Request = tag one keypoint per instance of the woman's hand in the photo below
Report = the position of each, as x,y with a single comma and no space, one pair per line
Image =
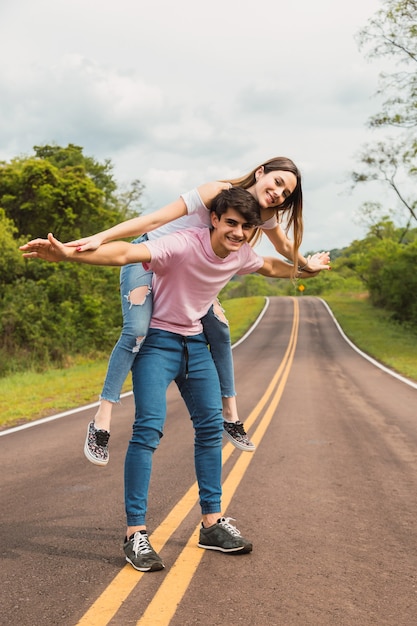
85,243
317,262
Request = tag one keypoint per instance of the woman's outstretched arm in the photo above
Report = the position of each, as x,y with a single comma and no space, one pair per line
114,253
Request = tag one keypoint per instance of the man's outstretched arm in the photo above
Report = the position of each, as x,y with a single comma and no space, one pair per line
114,253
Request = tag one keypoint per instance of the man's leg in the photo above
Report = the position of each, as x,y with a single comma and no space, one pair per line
200,388
156,365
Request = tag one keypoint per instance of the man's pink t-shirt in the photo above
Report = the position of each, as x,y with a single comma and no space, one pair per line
188,275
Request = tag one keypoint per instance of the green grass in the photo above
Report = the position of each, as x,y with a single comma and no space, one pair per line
32,395
242,313
373,331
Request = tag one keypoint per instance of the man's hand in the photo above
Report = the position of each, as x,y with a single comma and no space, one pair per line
48,249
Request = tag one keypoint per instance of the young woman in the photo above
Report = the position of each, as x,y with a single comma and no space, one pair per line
276,185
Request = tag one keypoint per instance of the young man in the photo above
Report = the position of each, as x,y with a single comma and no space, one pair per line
190,268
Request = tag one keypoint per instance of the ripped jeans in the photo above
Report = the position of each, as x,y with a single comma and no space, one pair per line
136,318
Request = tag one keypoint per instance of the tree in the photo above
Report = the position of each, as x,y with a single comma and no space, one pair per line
127,203
12,264
60,190
391,284
389,162
72,157
48,312
383,262
392,34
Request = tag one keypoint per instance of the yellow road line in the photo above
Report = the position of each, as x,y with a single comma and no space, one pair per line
108,603
164,604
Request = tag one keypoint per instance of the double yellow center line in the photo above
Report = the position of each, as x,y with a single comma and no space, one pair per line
164,603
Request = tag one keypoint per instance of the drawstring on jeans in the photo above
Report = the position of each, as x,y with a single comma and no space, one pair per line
185,346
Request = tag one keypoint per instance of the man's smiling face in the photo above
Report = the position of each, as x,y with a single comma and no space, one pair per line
229,232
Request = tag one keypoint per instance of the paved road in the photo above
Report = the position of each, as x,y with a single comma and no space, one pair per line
329,499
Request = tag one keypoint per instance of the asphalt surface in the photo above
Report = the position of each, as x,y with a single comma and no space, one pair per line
329,499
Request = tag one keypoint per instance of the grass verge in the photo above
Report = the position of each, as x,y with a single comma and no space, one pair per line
373,331
29,396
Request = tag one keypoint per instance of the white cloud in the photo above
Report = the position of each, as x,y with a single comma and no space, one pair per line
179,93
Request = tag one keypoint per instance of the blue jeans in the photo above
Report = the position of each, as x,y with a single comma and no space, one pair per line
136,318
217,334
165,357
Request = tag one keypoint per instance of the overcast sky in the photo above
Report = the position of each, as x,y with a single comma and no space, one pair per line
176,93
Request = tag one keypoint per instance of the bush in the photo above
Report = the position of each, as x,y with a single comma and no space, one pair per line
392,283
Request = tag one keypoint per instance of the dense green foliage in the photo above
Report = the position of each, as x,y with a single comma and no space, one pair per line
49,312
384,266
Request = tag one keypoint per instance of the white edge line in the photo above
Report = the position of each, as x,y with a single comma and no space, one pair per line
254,325
407,381
51,418
79,409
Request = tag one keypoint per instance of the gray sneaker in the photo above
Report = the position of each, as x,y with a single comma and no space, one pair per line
224,536
96,447
235,432
140,553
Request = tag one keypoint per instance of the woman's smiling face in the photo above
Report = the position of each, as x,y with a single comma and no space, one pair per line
272,188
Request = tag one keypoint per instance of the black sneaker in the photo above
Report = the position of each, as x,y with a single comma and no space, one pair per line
224,536
235,432
140,553
96,447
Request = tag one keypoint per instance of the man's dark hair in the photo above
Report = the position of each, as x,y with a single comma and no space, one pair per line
240,200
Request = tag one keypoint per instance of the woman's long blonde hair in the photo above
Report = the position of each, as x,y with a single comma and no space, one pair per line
292,206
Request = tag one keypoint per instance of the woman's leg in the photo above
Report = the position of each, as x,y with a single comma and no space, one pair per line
217,332
136,299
